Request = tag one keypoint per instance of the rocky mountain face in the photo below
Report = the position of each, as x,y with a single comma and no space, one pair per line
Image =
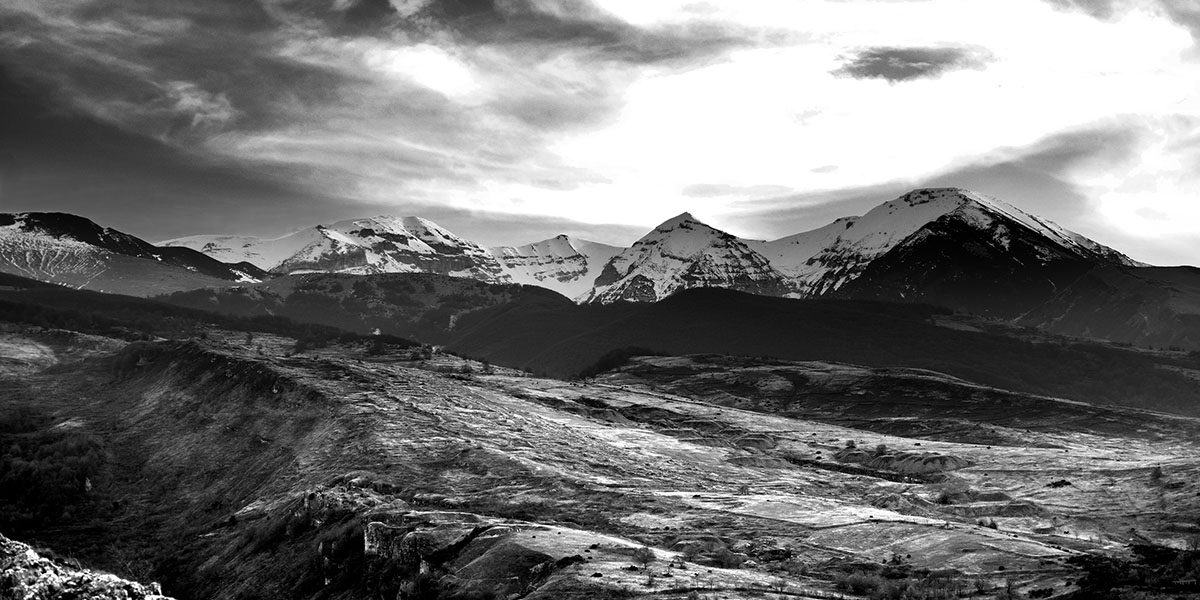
684,253
75,251
564,264
360,246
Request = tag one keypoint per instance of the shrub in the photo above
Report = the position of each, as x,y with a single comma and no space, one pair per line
858,582
644,556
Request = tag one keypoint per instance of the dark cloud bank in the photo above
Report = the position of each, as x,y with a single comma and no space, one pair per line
905,64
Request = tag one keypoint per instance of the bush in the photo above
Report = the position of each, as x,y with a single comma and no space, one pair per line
858,582
644,556
46,475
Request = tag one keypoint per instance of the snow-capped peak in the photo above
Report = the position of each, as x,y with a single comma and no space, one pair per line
562,263
381,244
824,259
679,253
678,220
684,253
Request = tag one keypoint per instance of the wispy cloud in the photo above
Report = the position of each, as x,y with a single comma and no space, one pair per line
1183,12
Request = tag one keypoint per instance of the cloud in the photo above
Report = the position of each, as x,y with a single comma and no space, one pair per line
1101,9
54,160
904,64
1185,13
418,97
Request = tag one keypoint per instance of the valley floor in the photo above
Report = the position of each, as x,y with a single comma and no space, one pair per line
233,468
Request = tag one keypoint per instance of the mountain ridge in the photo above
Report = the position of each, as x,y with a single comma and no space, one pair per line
75,251
944,246
680,253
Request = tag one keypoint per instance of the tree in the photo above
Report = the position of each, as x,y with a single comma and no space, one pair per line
779,584
644,556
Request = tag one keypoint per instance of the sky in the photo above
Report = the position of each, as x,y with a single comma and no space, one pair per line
510,121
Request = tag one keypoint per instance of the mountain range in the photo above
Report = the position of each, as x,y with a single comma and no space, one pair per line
377,408
682,252
942,246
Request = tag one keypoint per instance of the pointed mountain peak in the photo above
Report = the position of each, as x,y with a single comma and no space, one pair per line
384,222
678,220
927,195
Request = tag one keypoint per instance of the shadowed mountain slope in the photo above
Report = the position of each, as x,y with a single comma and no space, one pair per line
563,340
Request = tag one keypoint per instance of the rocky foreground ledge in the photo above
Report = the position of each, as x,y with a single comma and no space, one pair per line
25,575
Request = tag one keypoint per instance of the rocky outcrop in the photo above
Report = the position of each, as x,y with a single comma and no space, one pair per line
26,575
911,463
458,552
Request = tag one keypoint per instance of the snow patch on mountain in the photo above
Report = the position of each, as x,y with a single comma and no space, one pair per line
791,255
564,264
31,251
383,244
683,253
262,253
74,251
